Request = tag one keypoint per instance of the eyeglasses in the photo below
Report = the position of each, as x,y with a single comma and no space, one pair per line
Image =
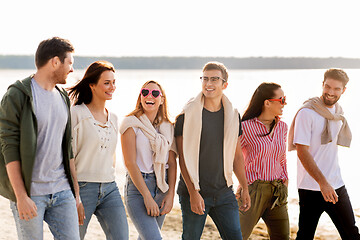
282,100
155,92
212,79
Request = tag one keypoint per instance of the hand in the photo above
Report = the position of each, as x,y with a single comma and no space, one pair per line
81,213
328,193
244,199
238,192
197,203
151,206
167,204
27,208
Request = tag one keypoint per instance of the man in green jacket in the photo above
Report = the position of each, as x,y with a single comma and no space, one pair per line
35,136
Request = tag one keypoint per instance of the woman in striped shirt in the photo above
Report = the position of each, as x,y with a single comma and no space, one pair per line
263,144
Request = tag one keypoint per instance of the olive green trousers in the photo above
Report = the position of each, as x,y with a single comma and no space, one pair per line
269,202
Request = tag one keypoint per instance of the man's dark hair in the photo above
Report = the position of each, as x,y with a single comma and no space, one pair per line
50,48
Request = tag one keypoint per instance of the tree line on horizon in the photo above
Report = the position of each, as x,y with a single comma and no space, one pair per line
81,62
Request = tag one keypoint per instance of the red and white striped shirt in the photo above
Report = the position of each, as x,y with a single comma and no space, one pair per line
265,156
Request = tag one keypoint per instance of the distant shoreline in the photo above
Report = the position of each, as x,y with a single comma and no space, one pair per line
81,62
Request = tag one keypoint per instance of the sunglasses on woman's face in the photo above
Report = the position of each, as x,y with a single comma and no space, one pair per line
282,100
155,92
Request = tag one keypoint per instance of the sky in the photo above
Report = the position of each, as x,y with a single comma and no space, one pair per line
236,28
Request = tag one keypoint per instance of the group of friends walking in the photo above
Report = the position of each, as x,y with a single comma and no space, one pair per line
57,159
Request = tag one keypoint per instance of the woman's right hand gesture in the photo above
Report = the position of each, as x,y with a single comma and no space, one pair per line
151,206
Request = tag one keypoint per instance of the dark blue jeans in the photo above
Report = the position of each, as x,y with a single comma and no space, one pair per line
312,205
224,211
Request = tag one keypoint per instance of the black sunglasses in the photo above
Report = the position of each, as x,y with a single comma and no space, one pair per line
155,92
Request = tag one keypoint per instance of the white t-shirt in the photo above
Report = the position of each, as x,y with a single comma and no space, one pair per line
144,152
308,128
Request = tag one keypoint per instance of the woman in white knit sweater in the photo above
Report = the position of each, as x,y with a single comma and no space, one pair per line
146,139
95,133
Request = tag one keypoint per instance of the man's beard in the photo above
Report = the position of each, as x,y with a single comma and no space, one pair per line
329,102
59,77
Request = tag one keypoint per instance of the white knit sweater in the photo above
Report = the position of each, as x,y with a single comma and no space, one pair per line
94,145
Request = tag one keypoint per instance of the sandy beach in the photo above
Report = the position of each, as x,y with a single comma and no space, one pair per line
173,225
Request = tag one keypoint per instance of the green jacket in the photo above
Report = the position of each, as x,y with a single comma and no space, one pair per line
18,135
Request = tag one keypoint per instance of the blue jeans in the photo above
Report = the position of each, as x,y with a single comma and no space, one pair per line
222,208
104,200
312,205
58,210
147,226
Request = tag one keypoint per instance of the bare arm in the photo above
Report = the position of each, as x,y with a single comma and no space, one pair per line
168,201
239,170
196,201
310,166
74,176
172,171
128,145
25,205
79,205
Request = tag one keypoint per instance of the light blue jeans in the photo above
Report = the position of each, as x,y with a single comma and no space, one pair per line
147,226
104,200
58,210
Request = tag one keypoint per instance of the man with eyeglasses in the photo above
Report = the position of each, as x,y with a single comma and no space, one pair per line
207,134
317,129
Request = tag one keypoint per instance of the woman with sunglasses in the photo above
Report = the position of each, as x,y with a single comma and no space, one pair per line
95,133
146,139
263,144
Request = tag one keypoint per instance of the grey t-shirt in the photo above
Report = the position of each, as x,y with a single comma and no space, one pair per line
48,175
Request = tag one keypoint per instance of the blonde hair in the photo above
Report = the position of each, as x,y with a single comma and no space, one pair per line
162,114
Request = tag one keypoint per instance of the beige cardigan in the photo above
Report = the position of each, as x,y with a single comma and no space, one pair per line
316,104
192,133
161,143
93,146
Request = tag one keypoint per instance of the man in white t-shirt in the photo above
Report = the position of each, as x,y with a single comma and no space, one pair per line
318,128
